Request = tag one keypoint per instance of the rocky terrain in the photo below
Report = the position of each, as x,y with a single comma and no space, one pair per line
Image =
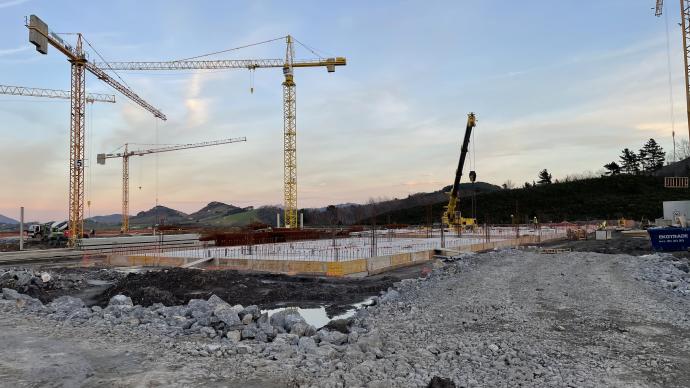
507,318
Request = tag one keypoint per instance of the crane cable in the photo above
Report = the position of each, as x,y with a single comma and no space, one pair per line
472,167
157,218
106,62
89,148
230,49
670,86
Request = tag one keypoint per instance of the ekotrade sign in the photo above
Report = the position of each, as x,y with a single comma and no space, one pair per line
670,239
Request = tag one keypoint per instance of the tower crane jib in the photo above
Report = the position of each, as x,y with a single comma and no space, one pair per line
289,102
126,154
42,38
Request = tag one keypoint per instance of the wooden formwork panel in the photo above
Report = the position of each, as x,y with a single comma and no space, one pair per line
378,263
147,261
400,259
354,266
422,256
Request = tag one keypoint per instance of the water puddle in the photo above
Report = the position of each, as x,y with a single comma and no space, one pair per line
97,282
317,316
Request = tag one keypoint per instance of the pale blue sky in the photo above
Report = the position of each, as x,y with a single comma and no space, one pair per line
562,85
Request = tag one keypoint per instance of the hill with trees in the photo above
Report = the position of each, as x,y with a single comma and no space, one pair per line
607,197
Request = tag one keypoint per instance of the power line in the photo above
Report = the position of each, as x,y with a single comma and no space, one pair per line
104,61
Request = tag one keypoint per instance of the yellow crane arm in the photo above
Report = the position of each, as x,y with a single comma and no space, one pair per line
289,102
250,64
41,37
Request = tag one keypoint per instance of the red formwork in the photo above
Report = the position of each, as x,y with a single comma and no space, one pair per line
277,235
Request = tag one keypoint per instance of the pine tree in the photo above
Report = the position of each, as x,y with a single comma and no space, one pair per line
652,156
544,177
630,162
613,168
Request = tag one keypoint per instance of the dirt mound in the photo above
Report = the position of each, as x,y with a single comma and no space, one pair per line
177,286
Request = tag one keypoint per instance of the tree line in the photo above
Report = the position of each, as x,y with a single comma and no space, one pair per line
648,159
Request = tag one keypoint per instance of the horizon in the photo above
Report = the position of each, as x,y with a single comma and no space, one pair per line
389,124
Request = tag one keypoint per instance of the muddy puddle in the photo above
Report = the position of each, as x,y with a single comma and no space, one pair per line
319,317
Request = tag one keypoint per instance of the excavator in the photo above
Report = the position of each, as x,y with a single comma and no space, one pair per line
452,218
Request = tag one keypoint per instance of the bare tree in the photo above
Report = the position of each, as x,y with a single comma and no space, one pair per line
682,149
508,185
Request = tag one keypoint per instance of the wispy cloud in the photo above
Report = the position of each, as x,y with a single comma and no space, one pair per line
7,52
11,3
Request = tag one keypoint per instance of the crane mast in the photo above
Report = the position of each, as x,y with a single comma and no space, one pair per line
40,36
685,25
289,140
126,154
685,31
289,103
451,216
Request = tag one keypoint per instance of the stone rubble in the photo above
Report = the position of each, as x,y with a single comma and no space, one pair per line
456,327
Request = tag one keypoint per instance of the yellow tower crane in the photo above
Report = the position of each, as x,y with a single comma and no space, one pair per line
289,102
126,153
41,37
685,31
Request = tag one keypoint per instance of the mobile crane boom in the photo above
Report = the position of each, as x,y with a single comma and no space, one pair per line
452,217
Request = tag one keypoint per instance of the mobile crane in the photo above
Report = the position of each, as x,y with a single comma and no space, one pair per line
452,217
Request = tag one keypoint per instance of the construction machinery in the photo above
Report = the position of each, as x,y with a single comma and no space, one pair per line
53,93
685,31
54,233
289,102
452,217
127,153
41,37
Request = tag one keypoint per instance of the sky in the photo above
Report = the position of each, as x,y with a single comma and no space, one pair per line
563,85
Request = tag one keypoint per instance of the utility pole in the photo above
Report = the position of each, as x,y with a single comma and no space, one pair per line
21,228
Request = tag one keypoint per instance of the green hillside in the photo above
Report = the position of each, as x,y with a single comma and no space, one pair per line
613,197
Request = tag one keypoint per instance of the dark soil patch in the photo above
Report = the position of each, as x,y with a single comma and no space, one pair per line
619,244
177,286
77,282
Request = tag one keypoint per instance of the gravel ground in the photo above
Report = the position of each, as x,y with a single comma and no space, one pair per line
506,318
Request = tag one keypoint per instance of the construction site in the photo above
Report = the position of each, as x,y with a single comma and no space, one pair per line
132,272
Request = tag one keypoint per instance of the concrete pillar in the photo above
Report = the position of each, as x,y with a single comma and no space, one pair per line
278,220
21,228
301,220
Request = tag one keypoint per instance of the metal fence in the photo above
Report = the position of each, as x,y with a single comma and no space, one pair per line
363,245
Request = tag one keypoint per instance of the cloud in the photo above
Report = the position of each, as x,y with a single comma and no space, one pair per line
197,107
8,52
11,3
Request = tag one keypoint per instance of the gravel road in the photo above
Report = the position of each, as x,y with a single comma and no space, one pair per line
508,318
